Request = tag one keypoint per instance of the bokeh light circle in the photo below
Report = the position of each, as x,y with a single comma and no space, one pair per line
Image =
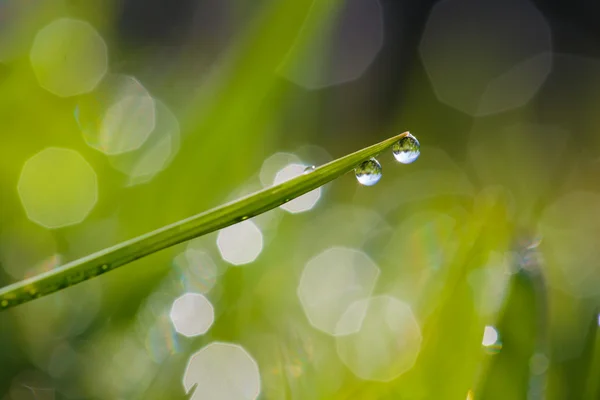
26,248
192,314
222,371
485,57
241,243
68,57
387,343
336,45
118,116
570,227
331,282
196,269
302,203
273,164
157,151
57,187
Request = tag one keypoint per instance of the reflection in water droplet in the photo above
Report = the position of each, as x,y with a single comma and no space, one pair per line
407,149
368,172
310,168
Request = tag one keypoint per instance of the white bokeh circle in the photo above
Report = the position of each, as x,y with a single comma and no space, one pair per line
222,371
192,314
302,203
241,243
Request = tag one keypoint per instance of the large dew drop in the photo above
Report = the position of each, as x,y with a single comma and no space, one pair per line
368,172
407,149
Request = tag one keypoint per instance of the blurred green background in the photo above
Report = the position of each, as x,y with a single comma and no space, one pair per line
470,273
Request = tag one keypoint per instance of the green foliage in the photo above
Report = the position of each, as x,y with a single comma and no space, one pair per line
441,231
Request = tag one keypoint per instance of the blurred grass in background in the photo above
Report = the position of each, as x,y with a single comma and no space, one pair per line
468,274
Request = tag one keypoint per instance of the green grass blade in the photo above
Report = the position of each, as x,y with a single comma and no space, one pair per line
228,214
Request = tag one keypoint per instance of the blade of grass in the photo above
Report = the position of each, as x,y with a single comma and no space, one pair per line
220,217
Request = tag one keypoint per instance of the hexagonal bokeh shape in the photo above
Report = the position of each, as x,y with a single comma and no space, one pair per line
26,247
485,57
118,116
197,271
157,152
241,243
192,314
331,282
388,340
570,227
222,371
57,187
538,363
273,164
302,203
338,43
68,57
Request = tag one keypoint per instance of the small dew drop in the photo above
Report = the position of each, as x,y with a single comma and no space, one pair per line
491,340
407,149
368,172
490,336
310,168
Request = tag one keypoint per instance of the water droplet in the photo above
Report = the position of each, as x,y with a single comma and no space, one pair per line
310,168
407,149
491,340
368,172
